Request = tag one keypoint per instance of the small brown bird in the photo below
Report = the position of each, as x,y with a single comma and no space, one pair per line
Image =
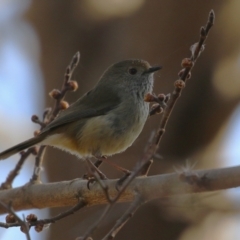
104,121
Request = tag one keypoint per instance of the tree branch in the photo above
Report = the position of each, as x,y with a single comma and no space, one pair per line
69,193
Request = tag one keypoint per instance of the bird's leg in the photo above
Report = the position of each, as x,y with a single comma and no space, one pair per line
90,176
97,164
91,179
143,173
124,170
91,169
121,169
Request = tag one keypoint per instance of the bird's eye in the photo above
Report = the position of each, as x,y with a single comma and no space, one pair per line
132,71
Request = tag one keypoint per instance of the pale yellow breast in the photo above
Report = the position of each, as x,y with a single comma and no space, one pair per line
63,142
99,137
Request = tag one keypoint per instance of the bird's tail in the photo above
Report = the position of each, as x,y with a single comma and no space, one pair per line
21,146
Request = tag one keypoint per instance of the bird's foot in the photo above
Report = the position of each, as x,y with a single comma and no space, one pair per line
94,174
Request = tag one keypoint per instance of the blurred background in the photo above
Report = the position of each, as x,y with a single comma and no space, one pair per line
38,40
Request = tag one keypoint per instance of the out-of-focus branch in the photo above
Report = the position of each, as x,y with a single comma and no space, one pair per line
14,217
124,219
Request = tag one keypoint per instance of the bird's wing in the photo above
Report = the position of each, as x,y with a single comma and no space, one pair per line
94,103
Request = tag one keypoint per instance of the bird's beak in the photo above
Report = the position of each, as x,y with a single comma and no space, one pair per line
153,69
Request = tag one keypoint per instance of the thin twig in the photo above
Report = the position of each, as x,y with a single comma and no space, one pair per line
37,167
66,86
13,174
124,219
22,223
146,168
42,222
25,226
56,218
184,75
58,95
96,224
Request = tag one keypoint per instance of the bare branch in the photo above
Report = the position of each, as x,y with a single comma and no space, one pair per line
96,224
33,221
185,75
67,193
13,174
48,115
68,85
37,167
124,219
22,223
